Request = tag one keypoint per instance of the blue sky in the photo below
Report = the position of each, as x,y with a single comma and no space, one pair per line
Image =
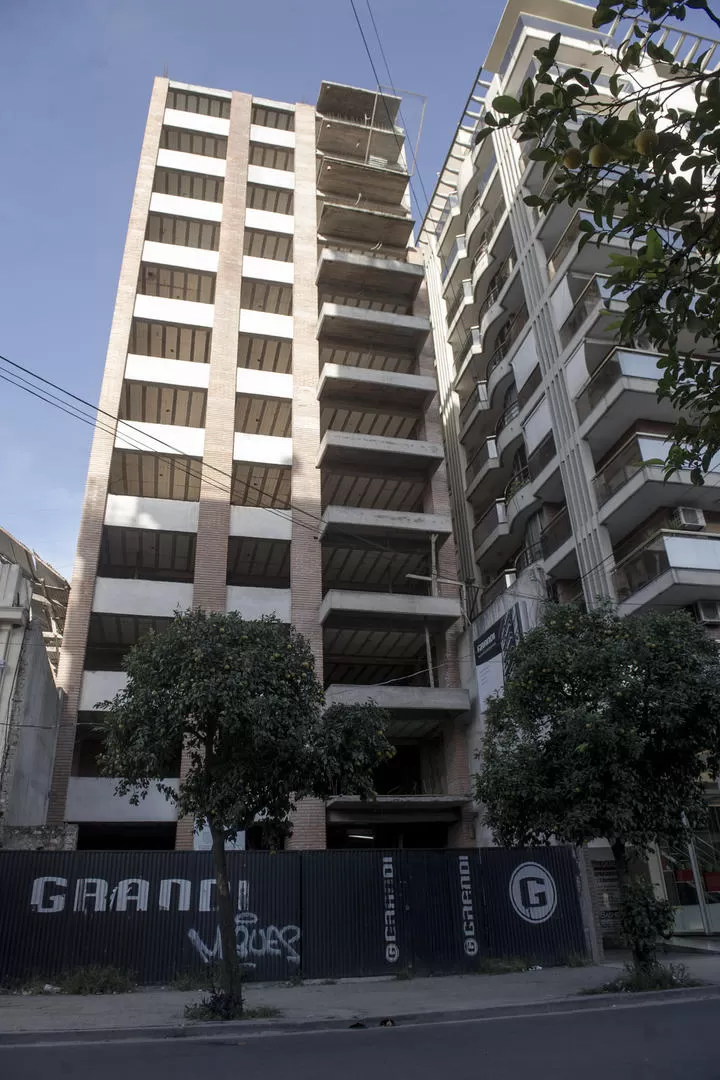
75,78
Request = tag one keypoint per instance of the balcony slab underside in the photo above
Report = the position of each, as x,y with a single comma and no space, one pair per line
367,226
648,491
675,588
379,611
342,322
359,271
415,711
411,529
627,400
356,387
352,138
349,178
388,809
347,451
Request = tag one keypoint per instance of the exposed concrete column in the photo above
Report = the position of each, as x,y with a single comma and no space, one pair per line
305,551
210,584
72,654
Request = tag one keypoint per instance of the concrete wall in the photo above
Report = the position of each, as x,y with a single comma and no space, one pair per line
33,727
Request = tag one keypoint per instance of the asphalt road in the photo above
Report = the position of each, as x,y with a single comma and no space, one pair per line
662,1042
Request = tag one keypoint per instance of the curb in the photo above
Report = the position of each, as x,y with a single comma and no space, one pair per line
200,1031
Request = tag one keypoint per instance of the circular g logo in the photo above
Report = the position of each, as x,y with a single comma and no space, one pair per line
532,892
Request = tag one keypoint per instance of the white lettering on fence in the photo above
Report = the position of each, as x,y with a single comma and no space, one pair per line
252,941
468,914
392,952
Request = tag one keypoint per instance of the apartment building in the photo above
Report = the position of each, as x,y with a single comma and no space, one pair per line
550,426
276,449
33,601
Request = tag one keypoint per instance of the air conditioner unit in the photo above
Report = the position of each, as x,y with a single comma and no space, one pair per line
708,612
690,518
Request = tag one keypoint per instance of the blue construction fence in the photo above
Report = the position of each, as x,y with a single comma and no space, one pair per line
325,914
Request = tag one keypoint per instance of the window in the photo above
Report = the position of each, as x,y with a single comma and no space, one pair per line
193,142
170,342
177,284
188,101
268,245
273,118
189,185
270,157
275,200
166,229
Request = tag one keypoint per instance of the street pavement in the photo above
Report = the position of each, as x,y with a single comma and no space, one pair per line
318,1002
663,1041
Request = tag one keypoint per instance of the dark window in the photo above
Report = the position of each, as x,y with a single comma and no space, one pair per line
170,342
273,118
270,157
276,200
189,185
193,142
166,229
145,836
189,101
177,284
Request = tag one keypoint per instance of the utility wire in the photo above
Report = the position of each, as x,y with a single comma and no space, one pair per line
392,87
387,107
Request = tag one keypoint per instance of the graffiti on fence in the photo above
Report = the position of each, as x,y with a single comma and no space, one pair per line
254,942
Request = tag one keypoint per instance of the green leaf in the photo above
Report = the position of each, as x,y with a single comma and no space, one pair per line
506,104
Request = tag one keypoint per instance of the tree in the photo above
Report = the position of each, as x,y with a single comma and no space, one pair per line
644,157
604,729
242,700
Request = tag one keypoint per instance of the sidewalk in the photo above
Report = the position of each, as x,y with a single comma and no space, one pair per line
317,1002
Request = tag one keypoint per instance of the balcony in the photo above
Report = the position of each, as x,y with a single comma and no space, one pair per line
384,182
672,569
476,403
483,461
554,547
342,322
457,301
487,312
465,356
591,259
492,524
623,388
370,388
385,611
357,271
350,221
412,529
415,711
629,489
594,300
455,256
341,450
508,429
504,345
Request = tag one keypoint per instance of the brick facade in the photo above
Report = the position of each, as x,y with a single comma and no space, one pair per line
72,655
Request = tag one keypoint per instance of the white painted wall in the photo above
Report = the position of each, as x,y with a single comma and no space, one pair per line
269,221
180,118
525,359
128,596
199,163
576,372
157,369
268,449
187,312
93,798
264,383
537,425
267,269
252,603
160,438
561,301
180,206
260,521
693,552
271,136
178,255
263,323
134,512
99,686
277,178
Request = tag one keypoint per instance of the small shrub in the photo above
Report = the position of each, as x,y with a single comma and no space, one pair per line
499,965
641,980
96,980
576,959
218,1006
194,980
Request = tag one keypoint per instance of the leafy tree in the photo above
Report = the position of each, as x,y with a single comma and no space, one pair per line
604,729
242,699
644,158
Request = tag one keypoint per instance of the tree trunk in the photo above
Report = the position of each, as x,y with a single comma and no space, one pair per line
641,961
230,971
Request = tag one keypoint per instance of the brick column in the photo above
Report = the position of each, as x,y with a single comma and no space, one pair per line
210,584
437,501
305,552
72,655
